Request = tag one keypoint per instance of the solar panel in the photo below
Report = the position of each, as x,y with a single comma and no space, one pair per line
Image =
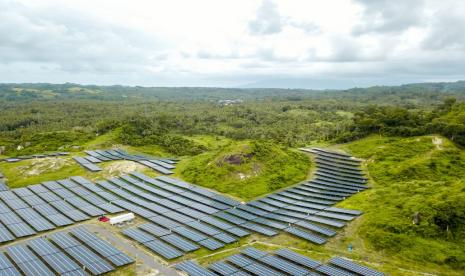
43,247
241,214
49,196
252,210
316,228
154,229
190,234
16,204
64,241
38,188
120,259
356,268
301,209
239,260
288,213
166,251
163,164
204,228
89,259
261,270
225,238
179,217
335,216
59,220
254,253
230,218
193,269
180,243
138,235
262,205
284,265
216,222
20,229
155,167
20,253
329,222
223,268
282,218
35,267
271,223
6,267
297,258
10,218
33,200
164,222
5,235
84,234
211,244
63,264
332,271
259,229
238,231
102,247
305,235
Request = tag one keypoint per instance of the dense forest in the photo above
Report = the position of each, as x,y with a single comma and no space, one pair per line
45,117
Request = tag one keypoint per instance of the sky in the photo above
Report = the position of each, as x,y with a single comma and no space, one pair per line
318,44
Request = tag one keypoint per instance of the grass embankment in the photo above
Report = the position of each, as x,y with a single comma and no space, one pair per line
246,169
415,214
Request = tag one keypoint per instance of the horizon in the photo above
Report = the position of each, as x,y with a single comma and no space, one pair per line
240,44
240,88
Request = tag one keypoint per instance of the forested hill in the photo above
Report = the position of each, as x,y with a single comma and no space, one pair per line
430,92
45,117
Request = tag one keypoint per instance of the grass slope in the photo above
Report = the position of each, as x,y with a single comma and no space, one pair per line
420,177
246,169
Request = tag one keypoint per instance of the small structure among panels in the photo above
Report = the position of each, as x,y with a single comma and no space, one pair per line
252,261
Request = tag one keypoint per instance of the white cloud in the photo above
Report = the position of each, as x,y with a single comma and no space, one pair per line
231,43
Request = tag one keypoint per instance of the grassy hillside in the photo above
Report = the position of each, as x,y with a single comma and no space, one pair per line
416,211
246,169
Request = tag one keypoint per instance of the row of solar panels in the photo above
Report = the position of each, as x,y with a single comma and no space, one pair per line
229,218
42,207
304,210
89,162
80,253
252,261
25,157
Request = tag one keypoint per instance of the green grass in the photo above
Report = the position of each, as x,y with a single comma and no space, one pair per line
263,168
411,176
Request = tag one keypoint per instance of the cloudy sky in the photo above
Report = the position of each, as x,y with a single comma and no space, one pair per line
237,43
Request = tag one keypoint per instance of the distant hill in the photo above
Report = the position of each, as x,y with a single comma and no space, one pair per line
69,91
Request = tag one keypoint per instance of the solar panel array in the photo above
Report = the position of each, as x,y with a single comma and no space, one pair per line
35,156
42,207
63,254
302,211
94,157
305,210
252,261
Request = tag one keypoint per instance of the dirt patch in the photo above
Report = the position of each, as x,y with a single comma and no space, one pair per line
438,142
122,167
235,159
43,165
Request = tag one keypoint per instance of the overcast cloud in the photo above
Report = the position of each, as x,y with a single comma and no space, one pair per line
241,43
